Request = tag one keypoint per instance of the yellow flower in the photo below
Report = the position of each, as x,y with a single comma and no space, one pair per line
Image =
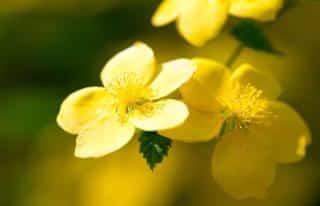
257,131
105,117
200,20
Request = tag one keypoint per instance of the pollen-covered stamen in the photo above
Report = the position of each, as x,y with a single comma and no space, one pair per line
129,93
244,106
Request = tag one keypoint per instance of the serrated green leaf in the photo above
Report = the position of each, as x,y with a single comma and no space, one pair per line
251,35
154,148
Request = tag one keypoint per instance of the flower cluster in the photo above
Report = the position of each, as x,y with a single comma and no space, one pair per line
254,131
200,20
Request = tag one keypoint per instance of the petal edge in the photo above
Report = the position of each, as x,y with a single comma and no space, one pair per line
103,137
80,107
166,114
171,77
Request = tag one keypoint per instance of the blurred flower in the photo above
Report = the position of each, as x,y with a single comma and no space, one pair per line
124,180
256,130
200,20
105,117
120,179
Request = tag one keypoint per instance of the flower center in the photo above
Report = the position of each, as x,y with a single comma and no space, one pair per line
129,93
244,106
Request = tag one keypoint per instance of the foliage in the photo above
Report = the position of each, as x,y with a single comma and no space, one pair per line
251,35
154,148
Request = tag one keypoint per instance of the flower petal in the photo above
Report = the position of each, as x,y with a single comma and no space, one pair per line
199,127
287,132
167,12
81,107
165,114
202,20
172,76
136,61
242,166
206,84
102,137
247,74
261,10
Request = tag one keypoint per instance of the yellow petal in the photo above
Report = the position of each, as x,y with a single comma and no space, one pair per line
261,10
202,20
242,166
102,137
287,132
247,74
206,84
172,76
136,62
81,107
199,127
165,114
167,11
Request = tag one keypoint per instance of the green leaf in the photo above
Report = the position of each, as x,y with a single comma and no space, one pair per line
154,148
288,4
227,127
251,35
223,129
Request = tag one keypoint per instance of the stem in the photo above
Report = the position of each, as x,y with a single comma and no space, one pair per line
231,60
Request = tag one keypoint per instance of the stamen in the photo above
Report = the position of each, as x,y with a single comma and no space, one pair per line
129,94
245,106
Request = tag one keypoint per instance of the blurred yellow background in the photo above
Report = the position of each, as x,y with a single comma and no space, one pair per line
51,48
